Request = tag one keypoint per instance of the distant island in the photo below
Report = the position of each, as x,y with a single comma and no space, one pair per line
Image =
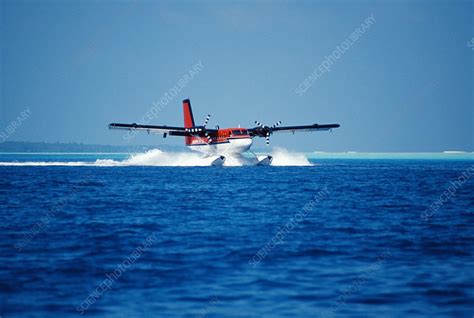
23,146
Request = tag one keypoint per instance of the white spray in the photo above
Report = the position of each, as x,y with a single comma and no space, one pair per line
159,158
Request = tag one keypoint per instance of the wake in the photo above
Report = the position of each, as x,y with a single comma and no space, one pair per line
159,158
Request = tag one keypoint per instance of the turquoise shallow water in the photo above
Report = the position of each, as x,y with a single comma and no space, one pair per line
339,238
394,155
314,156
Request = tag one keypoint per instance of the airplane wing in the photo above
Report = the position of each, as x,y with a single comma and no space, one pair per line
264,131
169,130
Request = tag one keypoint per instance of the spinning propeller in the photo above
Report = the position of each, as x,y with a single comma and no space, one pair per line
209,139
206,121
266,131
199,130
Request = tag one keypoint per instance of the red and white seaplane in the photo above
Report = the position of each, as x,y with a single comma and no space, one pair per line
221,142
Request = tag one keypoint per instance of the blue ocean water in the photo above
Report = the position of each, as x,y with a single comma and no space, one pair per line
340,238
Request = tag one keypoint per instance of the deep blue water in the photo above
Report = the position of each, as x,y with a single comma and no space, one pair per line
362,249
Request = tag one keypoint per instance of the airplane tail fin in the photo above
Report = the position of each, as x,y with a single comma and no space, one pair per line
188,119
188,114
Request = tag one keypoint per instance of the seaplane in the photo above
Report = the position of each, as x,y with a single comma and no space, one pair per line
221,143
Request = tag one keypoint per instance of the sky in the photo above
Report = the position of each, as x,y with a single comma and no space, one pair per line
404,85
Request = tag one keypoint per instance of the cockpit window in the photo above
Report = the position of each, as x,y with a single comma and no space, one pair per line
239,132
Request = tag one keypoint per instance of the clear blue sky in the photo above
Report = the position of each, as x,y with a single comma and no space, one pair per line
405,85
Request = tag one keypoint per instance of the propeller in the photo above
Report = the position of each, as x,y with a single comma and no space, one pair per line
209,139
266,131
206,121
199,130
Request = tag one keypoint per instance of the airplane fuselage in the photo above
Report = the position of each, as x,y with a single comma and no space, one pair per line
229,140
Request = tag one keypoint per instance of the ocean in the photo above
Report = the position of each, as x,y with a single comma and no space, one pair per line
166,235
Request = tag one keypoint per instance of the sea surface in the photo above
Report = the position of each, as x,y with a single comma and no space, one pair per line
161,235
